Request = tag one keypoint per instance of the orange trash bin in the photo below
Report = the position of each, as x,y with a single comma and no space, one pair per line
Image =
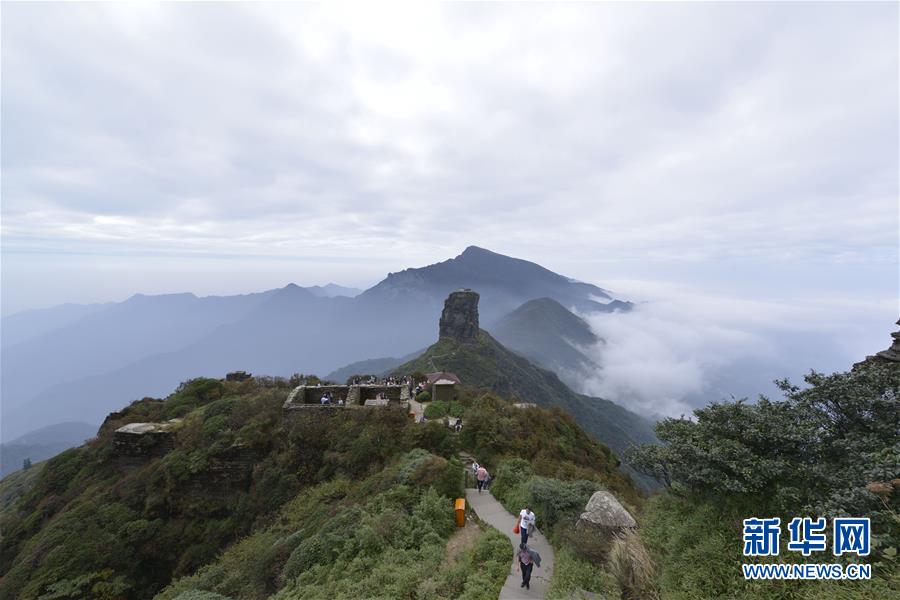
460,512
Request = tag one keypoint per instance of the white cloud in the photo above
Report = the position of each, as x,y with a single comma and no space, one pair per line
561,133
682,349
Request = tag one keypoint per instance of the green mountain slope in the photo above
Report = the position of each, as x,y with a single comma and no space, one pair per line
549,335
489,365
242,502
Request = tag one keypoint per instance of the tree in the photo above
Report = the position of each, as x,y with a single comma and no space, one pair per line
815,451
26,464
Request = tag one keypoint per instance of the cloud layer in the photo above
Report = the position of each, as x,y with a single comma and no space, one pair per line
656,134
683,349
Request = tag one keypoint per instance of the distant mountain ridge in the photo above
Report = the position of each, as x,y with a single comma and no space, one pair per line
503,282
551,336
42,444
146,345
333,290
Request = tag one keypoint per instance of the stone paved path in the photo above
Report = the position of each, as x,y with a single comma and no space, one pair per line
492,512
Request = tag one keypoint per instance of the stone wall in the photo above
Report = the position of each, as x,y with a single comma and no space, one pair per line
445,392
311,394
226,473
310,397
393,393
139,442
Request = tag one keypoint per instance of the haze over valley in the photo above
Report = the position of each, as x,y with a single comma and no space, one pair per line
660,357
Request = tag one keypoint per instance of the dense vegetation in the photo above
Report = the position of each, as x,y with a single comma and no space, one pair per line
830,449
327,505
382,538
486,364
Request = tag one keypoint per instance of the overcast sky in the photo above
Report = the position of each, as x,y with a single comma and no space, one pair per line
747,149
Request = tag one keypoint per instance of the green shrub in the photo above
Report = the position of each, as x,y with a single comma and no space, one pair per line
424,396
697,550
510,484
554,500
436,410
434,437
572,573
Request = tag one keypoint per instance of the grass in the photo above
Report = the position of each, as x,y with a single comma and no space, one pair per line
697,550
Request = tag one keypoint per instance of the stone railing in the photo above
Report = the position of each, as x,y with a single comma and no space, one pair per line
354,396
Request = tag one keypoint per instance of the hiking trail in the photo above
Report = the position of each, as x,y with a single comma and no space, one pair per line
492,512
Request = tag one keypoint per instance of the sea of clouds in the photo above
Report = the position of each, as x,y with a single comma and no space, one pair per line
679,350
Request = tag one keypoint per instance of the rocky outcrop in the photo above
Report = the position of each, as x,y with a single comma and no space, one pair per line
459,320
892,354
225,473
604,512
889,356
142,441
238,376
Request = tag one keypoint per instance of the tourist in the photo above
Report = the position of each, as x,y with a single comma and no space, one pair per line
481,476
526,523
524,565
458,425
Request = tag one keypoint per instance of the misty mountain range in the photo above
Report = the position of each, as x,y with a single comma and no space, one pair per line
78,363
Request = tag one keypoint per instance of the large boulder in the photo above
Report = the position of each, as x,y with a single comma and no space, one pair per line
603,511
459,320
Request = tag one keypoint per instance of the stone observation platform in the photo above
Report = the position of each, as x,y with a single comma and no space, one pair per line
345,396
144,440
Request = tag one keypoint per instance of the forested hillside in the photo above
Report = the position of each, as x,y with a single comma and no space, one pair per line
321,506
485,363
828,449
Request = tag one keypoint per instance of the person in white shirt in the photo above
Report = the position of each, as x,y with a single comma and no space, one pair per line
526,523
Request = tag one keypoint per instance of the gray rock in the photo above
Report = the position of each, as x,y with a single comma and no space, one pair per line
889,356
892,354
604,511
459,319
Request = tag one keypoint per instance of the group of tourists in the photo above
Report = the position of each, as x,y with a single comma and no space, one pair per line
372,380
328,398
526,557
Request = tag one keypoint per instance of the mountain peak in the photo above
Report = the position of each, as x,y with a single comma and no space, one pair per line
477,251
